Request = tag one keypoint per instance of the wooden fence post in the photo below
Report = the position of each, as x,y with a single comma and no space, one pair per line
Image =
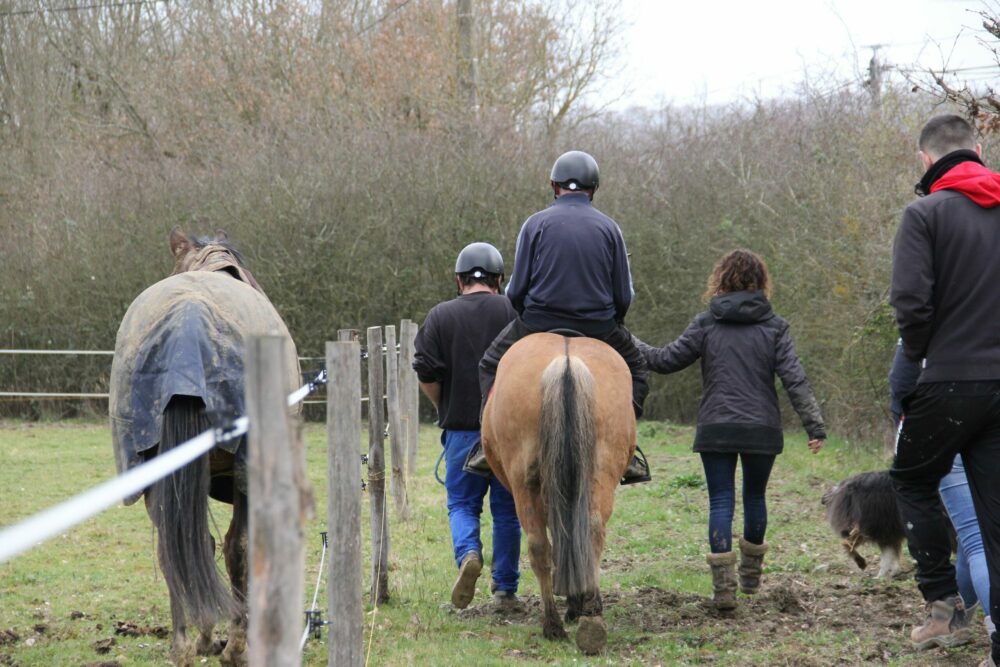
276,467
397,438
410,391
343,446
376,469
347,335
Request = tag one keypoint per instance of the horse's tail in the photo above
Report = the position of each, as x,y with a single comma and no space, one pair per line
567,442
179,509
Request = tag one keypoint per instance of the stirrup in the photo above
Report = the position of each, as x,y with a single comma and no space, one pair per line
476,463
637,470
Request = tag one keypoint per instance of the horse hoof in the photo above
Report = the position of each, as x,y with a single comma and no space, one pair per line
554,632
592,635
233,657
571,616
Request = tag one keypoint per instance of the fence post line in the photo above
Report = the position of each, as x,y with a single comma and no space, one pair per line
347,335
343,446
276,467
376,469
410,391
397,437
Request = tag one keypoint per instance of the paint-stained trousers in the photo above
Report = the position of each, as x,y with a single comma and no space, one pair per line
943,419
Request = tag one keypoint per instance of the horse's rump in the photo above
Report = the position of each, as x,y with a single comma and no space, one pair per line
511,418
185,336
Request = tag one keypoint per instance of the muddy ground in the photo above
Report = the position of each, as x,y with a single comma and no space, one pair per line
873,617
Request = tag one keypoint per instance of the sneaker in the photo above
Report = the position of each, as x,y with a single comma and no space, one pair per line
465,586
637,470
946,625
506,602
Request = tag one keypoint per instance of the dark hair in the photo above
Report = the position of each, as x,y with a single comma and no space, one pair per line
739,271
491,280
946,133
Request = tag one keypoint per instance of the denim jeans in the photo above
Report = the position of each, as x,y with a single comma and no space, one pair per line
465,505
720,473
970,563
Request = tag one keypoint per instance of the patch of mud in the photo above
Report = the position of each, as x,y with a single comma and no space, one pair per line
103,646
784,600
526,613
877,615
130,629
8,637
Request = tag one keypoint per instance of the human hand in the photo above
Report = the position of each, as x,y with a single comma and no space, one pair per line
816,445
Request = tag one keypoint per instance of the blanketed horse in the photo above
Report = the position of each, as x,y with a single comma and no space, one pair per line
558,430
177,371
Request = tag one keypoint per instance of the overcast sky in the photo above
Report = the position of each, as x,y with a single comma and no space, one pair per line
723,50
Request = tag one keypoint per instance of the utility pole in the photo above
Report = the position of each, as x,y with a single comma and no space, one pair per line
876,71
466,54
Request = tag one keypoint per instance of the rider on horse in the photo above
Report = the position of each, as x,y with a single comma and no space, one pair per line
571,271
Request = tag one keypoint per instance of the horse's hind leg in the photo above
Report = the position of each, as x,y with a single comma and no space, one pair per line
540,555
235,549
182,651
592,634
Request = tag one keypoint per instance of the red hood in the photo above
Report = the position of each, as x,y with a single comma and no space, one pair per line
974,181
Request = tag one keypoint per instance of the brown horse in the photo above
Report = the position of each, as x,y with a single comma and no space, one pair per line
177,371
558,430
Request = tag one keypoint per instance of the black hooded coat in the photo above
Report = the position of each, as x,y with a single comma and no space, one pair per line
742,344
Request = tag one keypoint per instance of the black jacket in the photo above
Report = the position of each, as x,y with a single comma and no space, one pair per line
448,348
946,277
742,344
571,269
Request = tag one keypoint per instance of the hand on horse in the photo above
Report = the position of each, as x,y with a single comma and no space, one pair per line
815,445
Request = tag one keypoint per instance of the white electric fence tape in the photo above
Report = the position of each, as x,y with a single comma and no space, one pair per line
48,523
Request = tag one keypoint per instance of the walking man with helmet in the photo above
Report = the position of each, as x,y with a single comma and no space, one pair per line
448,348
571,271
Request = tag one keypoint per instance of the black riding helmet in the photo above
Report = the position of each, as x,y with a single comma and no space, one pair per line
576,170
482,256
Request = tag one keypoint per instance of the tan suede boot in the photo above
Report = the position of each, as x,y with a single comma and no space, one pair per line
723,580
945,626
751,565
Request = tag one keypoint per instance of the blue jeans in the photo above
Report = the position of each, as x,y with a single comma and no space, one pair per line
970,562
465,505
720,473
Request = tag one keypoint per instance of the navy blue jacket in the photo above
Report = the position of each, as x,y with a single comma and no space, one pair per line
571,269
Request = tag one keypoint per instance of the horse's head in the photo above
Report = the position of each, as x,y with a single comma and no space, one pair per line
192,253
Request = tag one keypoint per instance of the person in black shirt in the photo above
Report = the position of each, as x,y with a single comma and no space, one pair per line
571,271
448,348
944,291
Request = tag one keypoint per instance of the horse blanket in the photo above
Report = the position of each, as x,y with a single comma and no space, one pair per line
186,335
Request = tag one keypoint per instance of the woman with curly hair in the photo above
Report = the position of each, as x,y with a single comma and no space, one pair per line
742,344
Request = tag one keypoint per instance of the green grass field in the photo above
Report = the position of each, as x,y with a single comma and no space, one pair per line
97,587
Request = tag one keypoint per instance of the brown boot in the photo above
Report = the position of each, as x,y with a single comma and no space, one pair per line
945,625
465,586
723,580
751,565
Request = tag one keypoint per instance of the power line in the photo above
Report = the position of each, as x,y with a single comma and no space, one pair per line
78,8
